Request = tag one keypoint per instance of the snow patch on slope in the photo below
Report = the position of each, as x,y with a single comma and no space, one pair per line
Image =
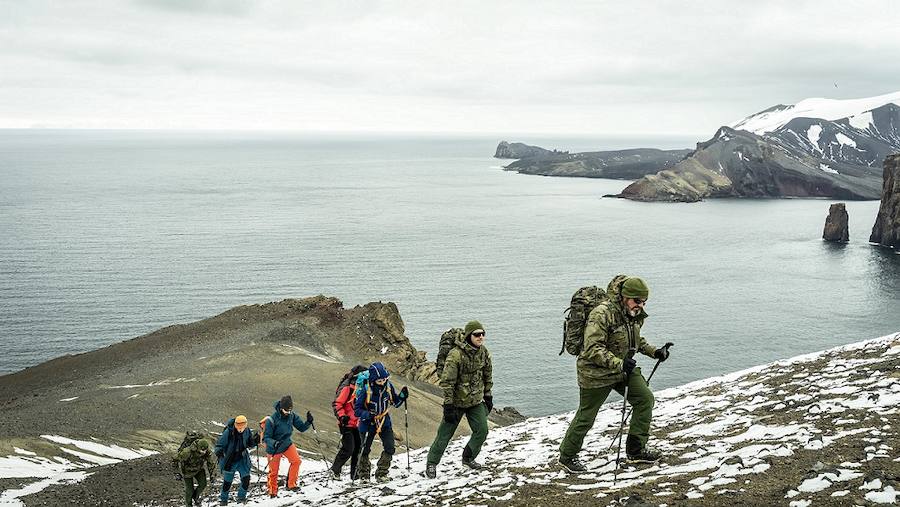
826,109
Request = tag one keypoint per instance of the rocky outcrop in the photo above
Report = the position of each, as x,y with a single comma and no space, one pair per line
519,150
836,224
887,224
616,164
737,163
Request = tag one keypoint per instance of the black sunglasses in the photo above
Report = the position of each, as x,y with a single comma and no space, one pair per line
478,334
639,301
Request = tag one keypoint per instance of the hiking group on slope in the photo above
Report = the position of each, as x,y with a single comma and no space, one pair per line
602,329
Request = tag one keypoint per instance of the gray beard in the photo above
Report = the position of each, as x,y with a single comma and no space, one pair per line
634,313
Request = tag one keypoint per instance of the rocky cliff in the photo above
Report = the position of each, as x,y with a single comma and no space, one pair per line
519,150
837,227
817,148
737,163
887,224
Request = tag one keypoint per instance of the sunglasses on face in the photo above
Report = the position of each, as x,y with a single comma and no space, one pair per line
639,301
478,334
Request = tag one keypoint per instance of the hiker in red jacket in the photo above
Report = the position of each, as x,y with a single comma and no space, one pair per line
347,423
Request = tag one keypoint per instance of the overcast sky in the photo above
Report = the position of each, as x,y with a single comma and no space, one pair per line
455,66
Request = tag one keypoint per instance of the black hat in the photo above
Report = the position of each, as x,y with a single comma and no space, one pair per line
287,403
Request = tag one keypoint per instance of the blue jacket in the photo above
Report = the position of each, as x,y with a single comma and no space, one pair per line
232,446
279,428
373,403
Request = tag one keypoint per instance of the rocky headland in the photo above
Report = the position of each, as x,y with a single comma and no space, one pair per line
887,224
817,148
614,164
106,419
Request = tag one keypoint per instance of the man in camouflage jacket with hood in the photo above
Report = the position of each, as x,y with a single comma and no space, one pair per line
611,337
467,380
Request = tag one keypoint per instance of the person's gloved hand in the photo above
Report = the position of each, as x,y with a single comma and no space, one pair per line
254,437
309,417
344,420
404,393
220,453
661,353
179,477
628,365
372,408
451,414
489,402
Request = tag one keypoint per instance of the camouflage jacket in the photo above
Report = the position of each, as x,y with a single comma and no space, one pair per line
191,459
468,375
608,335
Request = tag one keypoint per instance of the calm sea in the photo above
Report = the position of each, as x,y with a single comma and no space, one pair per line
109,235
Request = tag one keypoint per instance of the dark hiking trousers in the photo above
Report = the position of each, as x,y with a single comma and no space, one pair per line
384,461
477,418
190,491
350,447
639,397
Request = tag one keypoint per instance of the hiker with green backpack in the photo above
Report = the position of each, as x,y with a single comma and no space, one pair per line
604,331
466,373
194,453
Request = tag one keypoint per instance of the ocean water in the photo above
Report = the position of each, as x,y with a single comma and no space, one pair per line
109,235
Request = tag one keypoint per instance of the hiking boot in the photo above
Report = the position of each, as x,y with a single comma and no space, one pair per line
572,464
223,502
295,489
431,470
335,474
474,465
382,477
645,455
364,469
639,453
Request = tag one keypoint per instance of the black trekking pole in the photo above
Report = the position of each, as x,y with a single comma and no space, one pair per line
622,424
328,473
406,424
666,346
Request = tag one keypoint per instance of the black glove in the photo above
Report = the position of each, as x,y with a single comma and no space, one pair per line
254,437
309,417
628,365
344,420
179,477
489,402
451,415
404,393
220,453
372,408
661,353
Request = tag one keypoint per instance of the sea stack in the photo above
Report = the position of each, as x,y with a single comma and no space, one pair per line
886,231
836,228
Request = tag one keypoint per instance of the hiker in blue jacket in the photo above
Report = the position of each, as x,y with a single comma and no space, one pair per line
277,436
372,404
231,449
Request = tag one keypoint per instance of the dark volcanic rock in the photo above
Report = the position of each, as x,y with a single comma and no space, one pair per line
737,163
519,150
887,225
836,225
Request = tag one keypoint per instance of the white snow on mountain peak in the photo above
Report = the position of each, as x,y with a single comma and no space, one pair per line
826,109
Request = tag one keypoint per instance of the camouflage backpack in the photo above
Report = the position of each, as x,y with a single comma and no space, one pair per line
189,438
583,302
448,340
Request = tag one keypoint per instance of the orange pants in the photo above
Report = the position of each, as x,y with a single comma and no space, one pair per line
293,472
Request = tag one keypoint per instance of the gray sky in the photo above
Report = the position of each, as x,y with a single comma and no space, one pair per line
500,67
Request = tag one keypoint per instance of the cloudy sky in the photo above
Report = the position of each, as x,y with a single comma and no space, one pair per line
598,67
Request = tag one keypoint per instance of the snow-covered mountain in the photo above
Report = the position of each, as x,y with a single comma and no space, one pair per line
816,148
817,429
775,117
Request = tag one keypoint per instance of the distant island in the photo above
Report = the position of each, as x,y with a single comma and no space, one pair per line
617,164
815,148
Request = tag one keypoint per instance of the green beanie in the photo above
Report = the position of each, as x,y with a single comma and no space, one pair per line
635,288
472,326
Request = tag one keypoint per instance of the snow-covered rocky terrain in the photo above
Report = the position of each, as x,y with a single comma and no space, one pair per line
818,429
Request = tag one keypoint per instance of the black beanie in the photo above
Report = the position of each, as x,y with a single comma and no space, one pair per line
287,403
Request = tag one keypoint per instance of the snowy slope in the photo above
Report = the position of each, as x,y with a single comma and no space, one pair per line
827,109
818,429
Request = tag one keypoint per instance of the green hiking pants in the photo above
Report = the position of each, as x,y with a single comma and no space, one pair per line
639,397
190,491
477,417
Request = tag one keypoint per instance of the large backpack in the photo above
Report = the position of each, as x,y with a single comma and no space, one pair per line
345,381
448,340
189,438
583,302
